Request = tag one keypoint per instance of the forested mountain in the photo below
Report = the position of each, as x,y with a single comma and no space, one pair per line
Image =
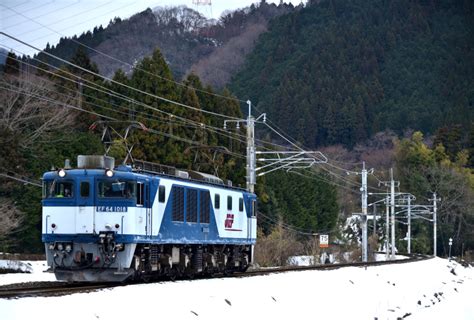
338,71
49,115
183,35
237,34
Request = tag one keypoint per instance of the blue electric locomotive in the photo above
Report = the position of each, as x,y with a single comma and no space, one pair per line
102,223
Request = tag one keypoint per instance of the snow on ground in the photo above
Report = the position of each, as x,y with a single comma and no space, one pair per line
431,289
35,271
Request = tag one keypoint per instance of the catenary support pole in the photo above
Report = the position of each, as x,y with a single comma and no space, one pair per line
435,209
392,211
409,225
387,227
374,232
364,213
251,157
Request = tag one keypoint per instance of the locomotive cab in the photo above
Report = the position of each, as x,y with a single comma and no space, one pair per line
102,223
84,212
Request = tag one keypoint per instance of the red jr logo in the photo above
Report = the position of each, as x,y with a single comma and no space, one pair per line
229,221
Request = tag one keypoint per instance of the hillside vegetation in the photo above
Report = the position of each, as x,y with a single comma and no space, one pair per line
41,126
339,71
187,40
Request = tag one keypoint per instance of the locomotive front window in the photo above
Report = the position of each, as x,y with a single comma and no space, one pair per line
58,189
117,189
84,189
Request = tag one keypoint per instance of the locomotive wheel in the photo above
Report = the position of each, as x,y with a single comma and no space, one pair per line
172,274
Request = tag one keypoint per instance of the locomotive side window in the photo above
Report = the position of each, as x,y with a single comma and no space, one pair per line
178,203
204,197
161,194
56,189
191,206
140,194
229,202
241,204
217,201
117,189
85,189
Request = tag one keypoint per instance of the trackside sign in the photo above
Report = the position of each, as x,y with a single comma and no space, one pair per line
323,241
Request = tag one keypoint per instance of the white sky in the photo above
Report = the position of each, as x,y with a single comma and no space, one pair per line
38,22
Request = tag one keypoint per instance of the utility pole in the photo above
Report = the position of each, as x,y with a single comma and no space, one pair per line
392,206
450,245
387,227
363,189
251,158
435,209
374,232
409,225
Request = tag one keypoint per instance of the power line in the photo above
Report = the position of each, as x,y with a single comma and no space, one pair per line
60,20
58,103
111,118
158,97
31,9
24,180
316,177
119,83
121,61
110,92
119,96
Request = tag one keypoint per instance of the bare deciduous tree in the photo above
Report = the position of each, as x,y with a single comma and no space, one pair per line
218,67
31,109
10,217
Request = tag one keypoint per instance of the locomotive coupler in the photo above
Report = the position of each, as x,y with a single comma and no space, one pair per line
108,247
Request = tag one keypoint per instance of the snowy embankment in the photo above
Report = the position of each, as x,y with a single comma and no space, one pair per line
432,289
25,271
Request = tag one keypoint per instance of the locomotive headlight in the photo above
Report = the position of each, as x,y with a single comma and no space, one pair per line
62,173
109,173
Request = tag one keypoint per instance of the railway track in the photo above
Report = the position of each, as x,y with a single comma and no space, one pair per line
410,258
45,289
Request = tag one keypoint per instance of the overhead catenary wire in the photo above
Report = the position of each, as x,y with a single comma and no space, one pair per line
192,123
124,62
155,118
141,91
108,91
32,9
148,129
119,83
313,176
24,180
56,102
114,119
67,18
295,229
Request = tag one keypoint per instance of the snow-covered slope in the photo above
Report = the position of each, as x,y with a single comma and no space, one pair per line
432,289
27,271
